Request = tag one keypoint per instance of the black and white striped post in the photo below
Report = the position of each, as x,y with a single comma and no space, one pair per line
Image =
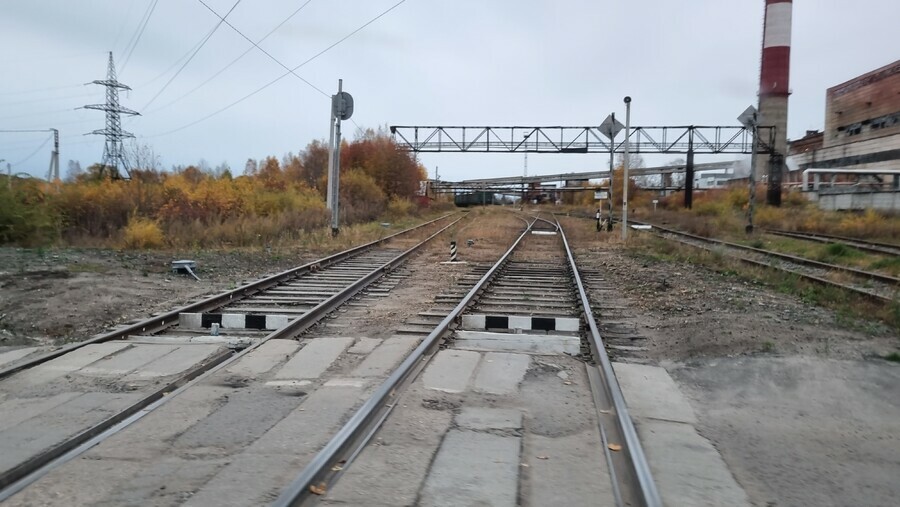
453,251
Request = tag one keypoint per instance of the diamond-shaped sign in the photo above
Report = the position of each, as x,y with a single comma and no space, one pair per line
748,117
610,127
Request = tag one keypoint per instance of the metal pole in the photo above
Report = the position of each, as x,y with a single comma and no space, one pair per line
625,170
612,170
749,227
336,167
689,172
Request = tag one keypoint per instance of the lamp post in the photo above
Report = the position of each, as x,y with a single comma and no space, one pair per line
625,170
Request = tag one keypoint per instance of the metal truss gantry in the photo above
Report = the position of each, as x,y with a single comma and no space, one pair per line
684,139
113,150
689,140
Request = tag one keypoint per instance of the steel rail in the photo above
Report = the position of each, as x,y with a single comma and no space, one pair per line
369,416
861,244
649,496
20,476
793,258
812,278
159,322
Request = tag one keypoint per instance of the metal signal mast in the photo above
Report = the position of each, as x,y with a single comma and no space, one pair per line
113,150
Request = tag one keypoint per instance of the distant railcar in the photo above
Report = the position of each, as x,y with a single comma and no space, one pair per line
474,199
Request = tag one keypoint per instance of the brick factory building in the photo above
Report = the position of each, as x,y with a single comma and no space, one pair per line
862,126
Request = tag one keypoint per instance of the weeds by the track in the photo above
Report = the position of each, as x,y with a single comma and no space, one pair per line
853,310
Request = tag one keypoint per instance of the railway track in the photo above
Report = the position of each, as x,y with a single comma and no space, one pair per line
526,320
874,286
311,400
59,404
859,244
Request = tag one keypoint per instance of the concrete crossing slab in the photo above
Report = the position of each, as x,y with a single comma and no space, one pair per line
567,470
651,392
450,370
501,373
272,461
314,358
12,356
688,470
386,356
473,468
484,418
179,360
14,411
68,363
364,345
127,360
56,424
264,358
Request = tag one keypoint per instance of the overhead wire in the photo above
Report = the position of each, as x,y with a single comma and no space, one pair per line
203,43
270,83
257,46
140,33
35,152
226,67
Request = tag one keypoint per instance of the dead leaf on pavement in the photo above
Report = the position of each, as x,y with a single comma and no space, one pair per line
318,489
614,447
543,457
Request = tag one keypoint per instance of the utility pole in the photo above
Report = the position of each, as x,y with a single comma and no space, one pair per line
113,150
8,174
53,172
625,170
341,109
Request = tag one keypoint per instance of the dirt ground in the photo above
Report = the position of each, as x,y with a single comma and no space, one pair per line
50,296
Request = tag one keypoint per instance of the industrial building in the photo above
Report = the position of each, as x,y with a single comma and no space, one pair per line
858,151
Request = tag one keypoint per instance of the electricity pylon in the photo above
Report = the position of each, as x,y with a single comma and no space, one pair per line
113,150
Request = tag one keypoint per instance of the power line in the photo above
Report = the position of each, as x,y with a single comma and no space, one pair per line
35,152
223,69
263,50
140,33
203,43
270,83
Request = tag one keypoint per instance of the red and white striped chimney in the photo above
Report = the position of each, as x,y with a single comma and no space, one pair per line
776,52
774,79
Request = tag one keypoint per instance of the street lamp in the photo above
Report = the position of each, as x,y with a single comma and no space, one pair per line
625,170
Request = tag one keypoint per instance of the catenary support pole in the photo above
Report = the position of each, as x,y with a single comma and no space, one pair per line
689,174
612,170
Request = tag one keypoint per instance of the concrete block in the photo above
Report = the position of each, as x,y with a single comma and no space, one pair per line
651,393
276,321
190,320
127,360
177,361
505,342
687,468
473,469
568,324
314,358
386,356
364,345
14,355
557,480
346,382
480,418
501,373
519,322
264,358
450,370
234,321
473,322
68,363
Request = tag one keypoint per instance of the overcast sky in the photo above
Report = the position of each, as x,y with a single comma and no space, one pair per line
426,62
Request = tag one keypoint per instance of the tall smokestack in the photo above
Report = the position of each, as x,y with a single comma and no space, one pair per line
774,80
